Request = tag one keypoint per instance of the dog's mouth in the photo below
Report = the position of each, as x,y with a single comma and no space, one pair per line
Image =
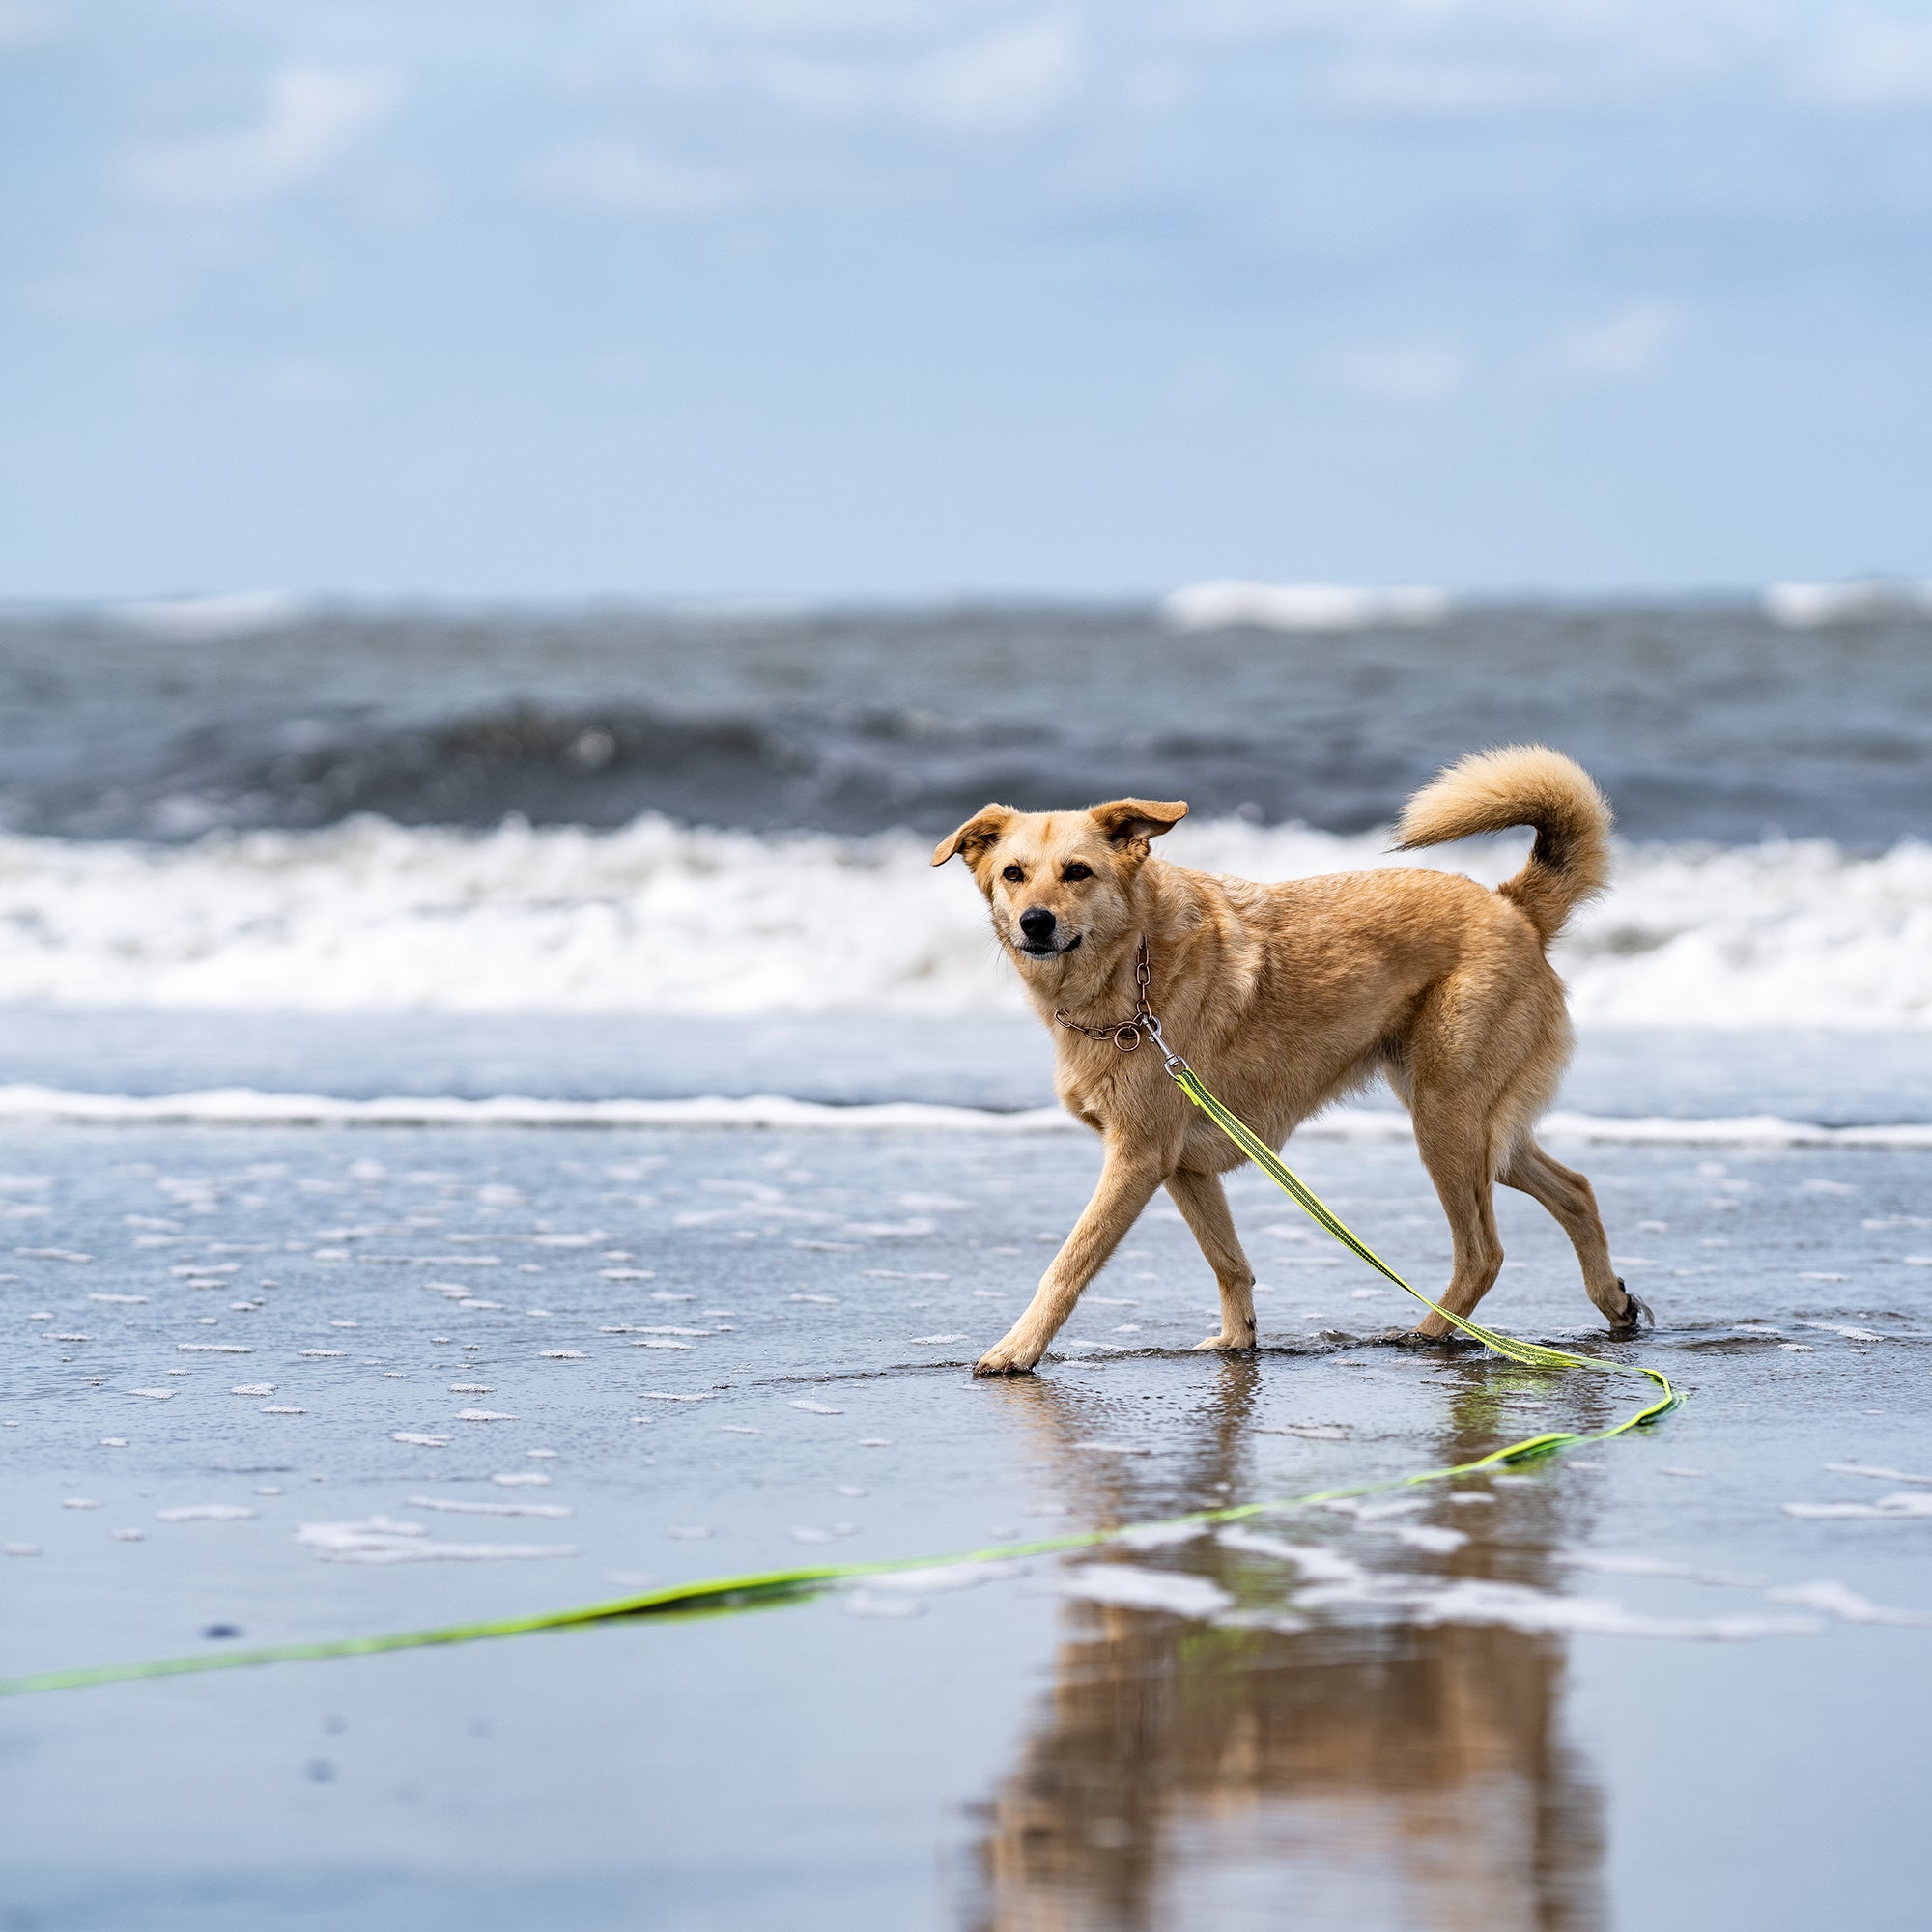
1047,951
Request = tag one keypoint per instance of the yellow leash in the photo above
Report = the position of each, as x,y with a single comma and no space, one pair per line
719,1595
1532,1354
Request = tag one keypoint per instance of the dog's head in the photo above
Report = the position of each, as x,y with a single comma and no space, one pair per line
1056,880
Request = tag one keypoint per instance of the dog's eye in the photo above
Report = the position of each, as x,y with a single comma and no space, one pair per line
1012,875
1077,870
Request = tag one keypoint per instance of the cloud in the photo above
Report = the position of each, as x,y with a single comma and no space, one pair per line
1872,61
1013,76
1628,346
25,24
1005,78
309,117
622,177
797,119
1422,369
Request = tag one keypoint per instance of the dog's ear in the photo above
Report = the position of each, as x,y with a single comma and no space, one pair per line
981,829
1130,821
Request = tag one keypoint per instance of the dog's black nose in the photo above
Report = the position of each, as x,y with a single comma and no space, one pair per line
1037,924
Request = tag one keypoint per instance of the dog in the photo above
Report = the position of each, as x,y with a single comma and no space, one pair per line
1286,997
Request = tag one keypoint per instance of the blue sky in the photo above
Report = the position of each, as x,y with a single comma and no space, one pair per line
915,297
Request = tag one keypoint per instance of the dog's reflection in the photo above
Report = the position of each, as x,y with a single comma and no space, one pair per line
1355,1774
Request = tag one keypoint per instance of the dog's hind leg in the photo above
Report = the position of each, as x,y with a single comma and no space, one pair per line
1570,1198
1204,1205
1458,1162
1127,1181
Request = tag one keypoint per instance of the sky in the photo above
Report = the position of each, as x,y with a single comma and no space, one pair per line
916,298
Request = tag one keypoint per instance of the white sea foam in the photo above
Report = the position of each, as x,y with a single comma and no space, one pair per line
1121,1585
231,613
380,1539
1475,1600
1835,1600
1861,600
1315,1561
657,917
945,1577
1159,1535
1226,601
1904,1506
245,1106
457,1506
1878,1474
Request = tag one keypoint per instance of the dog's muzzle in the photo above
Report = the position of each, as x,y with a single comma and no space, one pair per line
1039,935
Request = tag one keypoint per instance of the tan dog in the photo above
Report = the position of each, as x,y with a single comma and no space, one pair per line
1287,997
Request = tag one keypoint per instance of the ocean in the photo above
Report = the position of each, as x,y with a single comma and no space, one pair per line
729,815
497,1112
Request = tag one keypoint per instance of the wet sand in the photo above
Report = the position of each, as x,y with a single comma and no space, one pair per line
1628,1687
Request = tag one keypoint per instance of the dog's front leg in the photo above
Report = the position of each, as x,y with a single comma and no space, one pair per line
1127,1182
1204,1205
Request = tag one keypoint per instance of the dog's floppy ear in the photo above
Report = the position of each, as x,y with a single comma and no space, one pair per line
981,829
1127,821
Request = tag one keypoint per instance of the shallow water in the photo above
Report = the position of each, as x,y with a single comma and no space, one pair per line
271,1385
1608,1690
996,1060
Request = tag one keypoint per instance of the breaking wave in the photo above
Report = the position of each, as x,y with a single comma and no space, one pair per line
657,917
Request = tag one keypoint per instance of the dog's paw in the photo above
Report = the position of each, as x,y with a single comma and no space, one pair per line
1636,1314
1007,1358
1226,1341
1415,1338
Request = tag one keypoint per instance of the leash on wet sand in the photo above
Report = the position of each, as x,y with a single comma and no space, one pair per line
714,1595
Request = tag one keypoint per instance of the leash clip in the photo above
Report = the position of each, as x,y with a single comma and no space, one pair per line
1172,1062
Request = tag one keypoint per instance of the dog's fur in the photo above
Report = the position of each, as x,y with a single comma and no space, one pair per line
1286,997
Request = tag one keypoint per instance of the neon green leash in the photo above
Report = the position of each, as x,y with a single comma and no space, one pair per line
1532,1354
723,1595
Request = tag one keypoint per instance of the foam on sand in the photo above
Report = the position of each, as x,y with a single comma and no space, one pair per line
382,1539
1123,1586
660,917
1475,1600
1904,1506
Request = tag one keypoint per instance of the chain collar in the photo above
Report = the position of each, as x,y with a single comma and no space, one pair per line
1126,1034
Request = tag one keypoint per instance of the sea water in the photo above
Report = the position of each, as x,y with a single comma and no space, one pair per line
497,1112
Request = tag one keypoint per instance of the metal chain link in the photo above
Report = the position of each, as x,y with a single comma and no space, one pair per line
1126,1035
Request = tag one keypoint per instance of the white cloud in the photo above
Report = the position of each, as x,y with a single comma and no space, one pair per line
1008,77
1625,347
310,116
788,117
622,177
25,24
1422,369
1873,61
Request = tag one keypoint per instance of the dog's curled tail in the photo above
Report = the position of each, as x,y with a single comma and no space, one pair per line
1522,784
